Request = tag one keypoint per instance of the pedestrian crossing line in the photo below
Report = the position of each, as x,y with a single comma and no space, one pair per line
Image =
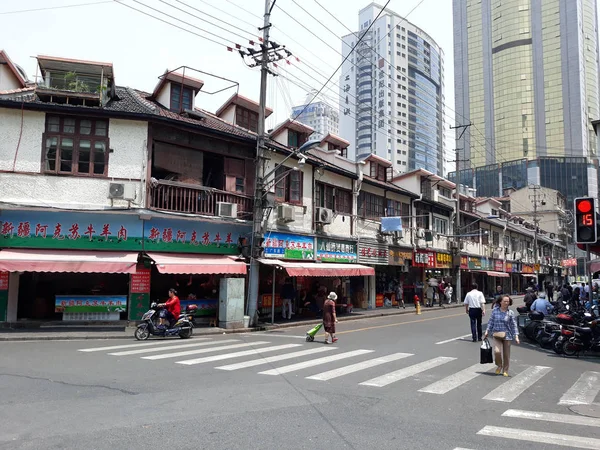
540,437
571,419
584,391
314,362
272,359
254,351
173,347
117,347
514,387
453,339
335,373
406,372
203,350
455,380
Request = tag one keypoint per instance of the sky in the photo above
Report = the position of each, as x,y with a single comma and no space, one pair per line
141,47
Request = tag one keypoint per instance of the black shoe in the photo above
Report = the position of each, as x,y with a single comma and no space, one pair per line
474,340
479,339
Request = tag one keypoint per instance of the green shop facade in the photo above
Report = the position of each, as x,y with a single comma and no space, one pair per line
97,266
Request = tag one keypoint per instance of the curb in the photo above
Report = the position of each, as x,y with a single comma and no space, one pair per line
219,331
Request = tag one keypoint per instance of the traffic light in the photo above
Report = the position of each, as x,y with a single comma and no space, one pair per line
585,220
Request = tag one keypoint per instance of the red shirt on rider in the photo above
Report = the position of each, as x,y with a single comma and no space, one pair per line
173,305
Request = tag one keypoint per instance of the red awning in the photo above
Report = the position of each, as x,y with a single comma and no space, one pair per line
312,269
184,263
492,273
76,261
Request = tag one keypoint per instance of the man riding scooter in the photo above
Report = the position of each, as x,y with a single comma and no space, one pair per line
172,309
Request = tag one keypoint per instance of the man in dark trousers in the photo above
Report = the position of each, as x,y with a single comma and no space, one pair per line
475,308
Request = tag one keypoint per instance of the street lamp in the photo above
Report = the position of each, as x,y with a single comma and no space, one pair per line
258,221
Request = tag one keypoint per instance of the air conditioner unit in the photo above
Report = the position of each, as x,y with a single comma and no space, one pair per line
125,191
421,233
324,216
225,209
286,213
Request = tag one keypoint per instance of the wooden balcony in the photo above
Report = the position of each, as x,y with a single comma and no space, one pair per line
195,199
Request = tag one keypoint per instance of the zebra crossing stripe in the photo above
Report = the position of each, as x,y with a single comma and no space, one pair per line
458,379
117,347
203,350
331,374
406,372
584,391
254,351
276,358
173,347
541,437
314,362
510,390
571,419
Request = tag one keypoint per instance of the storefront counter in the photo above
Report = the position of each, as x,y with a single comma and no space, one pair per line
90,307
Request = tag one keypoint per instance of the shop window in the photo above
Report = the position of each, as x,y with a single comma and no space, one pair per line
370,206
75,146
246,119
182,98
289,187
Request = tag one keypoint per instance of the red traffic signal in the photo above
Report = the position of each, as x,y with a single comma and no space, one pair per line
585,220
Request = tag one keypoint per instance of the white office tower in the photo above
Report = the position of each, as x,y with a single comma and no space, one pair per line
319,115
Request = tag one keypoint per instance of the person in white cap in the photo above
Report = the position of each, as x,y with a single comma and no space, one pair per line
330,318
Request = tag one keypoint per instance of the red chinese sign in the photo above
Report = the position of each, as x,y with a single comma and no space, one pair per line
498,265
464,262
423,259
509,267
3,281
571,262
528,268
140,282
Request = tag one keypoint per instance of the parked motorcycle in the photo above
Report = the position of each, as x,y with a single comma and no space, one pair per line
182,327
584,338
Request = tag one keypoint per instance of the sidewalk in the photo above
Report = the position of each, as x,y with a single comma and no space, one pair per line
69,333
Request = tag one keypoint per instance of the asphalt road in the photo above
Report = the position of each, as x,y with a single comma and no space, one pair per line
399,382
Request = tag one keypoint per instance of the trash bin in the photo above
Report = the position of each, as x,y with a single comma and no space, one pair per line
246,321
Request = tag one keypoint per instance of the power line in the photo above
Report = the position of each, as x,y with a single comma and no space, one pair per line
49,8
225,12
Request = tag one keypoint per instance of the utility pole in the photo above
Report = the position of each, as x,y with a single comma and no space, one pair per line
457,213
270,52
534,198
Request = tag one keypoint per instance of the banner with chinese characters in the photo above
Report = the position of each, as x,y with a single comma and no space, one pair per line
121,232
509,267
464,262
289,246
398,256
443,260
192,236
424,258
90,303
474,262
372,253
3,295
139,293
329,250
527,268
498,265
571,262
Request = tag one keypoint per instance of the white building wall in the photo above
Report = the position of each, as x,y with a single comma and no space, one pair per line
8,80
341,225
164,96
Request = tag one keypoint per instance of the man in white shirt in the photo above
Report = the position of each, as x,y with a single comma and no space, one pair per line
475,308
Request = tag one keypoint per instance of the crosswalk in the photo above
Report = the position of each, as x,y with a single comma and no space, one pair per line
366,367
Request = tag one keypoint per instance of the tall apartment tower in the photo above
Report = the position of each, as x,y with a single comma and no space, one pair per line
319,115
392,93
526,77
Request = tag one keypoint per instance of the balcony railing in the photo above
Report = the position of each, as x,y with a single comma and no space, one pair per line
193,199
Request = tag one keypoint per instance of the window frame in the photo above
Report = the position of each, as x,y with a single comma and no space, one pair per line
285,186
341,199
371,206
246,122
180,98
77,137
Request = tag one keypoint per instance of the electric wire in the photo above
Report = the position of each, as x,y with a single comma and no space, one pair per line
49,8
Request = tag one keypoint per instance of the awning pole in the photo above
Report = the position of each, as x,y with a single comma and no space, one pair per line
273,298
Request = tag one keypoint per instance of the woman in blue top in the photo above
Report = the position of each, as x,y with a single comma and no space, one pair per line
503,327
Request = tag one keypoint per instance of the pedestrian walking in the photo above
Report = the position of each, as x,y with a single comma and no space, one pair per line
400,295
529,297
330,318
288,295
448,292
475,308
430,296
503,328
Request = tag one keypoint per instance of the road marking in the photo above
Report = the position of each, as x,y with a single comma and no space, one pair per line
455,380
203,350
401,323
514,387
271,359
410,371
314,362
453,339
541,437
324,376
116,347
254,351
584,391
552,417
263,335
173,347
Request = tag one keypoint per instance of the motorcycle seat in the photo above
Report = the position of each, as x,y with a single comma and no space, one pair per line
585,330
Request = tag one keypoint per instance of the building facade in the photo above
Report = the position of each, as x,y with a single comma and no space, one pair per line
392,93
319,115
526,77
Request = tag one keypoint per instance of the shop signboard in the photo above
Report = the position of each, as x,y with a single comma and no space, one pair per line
464,262
571,262
90,303
398,256
527,268
474,263
443,260
486,264
187,236
329,250
373,253
424,258
498,265
139,293
3,295
289,246
116,232
509,267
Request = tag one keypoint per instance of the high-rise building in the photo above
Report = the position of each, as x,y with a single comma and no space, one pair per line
319,115
526,77
392,92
